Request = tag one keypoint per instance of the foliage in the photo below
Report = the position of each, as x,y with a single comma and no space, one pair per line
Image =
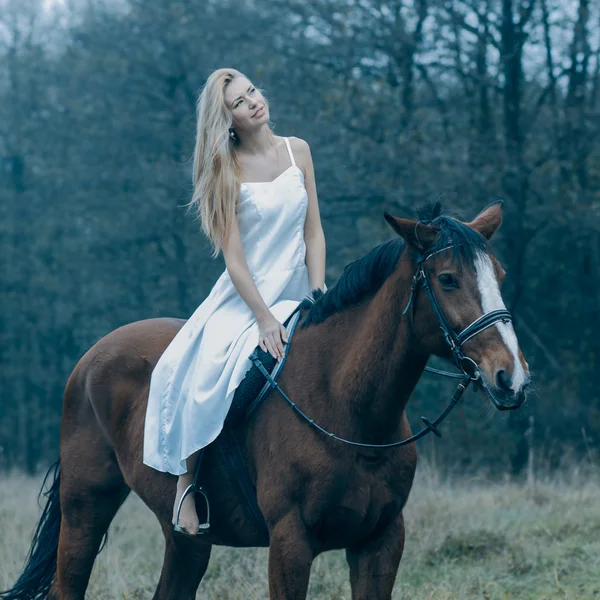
401,102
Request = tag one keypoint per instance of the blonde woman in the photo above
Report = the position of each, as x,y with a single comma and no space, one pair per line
256,197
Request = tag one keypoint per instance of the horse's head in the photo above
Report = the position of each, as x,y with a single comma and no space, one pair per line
459,314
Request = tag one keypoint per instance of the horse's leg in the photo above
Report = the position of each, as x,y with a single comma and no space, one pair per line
88,506
290,559
374,565
184,565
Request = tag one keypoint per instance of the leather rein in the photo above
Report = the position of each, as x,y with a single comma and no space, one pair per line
470,371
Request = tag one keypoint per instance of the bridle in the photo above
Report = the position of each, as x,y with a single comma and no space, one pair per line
455,341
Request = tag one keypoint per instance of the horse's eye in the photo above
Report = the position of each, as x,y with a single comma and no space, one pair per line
448,280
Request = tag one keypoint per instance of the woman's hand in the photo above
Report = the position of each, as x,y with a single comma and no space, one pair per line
272,336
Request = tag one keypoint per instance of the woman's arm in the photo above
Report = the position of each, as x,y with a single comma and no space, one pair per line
314,237
315,260
237,267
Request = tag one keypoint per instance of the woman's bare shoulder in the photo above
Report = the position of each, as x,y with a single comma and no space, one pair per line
301,152
298,143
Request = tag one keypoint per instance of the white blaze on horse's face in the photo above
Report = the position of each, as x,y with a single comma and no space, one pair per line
491,299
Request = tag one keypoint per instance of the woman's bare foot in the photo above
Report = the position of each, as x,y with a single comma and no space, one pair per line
188,518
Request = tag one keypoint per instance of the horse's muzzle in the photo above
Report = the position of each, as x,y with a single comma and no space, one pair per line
507,400
503,398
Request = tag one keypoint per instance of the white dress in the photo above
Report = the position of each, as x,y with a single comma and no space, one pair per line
193,383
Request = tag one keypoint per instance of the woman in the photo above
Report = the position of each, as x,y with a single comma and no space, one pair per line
256,197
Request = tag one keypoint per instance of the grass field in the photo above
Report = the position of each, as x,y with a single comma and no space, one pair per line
466,538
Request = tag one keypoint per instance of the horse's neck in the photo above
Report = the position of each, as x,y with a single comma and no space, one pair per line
378,363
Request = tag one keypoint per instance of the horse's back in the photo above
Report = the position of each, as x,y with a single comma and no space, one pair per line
145,340
129,350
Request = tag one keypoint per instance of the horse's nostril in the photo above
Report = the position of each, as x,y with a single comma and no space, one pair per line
503,381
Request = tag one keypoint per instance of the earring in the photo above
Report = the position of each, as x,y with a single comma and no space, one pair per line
232,134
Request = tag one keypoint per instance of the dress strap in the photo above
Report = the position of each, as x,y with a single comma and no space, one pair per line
287,143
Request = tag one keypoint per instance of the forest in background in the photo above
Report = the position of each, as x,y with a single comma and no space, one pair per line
403,102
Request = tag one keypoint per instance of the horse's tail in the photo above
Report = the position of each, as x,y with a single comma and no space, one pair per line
36,579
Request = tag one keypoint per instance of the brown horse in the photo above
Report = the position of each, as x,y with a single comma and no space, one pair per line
353,363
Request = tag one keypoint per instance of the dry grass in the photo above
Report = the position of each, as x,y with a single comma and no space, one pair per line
466,538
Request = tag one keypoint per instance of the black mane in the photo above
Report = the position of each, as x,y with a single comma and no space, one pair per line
365,276
360,278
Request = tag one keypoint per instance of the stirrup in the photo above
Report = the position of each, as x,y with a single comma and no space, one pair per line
203,527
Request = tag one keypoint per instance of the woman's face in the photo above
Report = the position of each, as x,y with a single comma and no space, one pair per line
247,105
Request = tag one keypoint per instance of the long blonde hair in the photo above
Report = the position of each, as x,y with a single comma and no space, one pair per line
216,169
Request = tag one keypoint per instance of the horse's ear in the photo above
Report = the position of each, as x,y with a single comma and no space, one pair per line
488,220
414,233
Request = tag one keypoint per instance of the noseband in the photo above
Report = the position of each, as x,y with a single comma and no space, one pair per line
469,368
